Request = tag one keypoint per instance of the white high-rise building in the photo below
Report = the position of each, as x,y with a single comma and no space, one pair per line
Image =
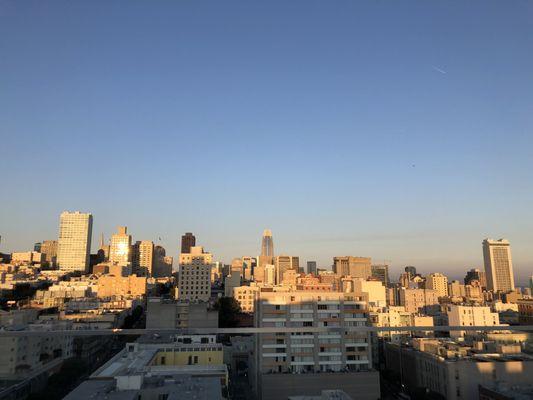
74,245
498,265
143,258
438,282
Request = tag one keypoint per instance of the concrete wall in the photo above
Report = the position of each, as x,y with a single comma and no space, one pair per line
200,317
358,385
160,315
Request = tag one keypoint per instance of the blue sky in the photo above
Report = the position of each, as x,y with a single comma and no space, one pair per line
397,130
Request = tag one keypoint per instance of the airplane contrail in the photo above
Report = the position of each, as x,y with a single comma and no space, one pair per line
439,70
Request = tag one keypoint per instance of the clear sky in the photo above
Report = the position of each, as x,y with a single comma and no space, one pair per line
397,130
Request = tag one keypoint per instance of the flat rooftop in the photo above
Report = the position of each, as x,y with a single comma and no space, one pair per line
181,387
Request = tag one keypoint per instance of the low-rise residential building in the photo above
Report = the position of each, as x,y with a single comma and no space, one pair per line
396,316
125,286
374,289
63,291
525,311
185,367
171,314
21,356
27,257
425,301
454,370
503,391
456,290
246,297
461,315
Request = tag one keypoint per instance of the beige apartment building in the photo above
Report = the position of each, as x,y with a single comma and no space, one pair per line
270,274
288,362
27,257
419,300
456,289
311,352
143,258
237,265
453,370
49,250
498,265
437,282
474,291
74,244
195,275
120,249
246,297
396,316
374,289
122,286
470,316
356,267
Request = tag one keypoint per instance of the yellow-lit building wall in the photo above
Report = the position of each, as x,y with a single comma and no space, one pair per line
189,357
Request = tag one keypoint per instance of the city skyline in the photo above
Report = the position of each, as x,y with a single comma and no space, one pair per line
457,272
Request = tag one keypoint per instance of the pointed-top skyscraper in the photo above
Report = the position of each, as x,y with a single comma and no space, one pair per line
267,249
267,246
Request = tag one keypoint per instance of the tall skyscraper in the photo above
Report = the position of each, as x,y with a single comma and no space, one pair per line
285,263
103,250
267,249
267,244
249,263
356,267
476,275
498,265
143,258
120,249
311,267
74,245
49,250
187,241
381,272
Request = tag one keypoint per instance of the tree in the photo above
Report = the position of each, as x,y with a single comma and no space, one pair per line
131,320
228,312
